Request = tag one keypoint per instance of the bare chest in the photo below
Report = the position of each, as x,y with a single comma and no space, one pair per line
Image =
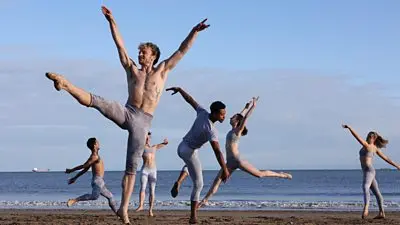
146,81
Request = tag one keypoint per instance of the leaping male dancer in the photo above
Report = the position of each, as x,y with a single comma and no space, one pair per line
145,85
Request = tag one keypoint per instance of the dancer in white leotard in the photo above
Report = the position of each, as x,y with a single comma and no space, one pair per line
233,161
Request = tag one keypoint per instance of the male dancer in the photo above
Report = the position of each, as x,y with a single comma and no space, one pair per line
202,130
145,85
98,185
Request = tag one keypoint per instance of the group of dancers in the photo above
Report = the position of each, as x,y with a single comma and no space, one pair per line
145,85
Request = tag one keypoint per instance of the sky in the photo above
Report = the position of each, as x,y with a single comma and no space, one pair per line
314,64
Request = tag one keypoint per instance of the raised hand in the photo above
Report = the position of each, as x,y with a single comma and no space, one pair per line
72,180
107,13
201,26
345,126
165,142
173,89
68,170
254,100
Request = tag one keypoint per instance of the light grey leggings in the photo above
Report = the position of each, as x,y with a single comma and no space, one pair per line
134,120
191,158
369,182
99,188
148,175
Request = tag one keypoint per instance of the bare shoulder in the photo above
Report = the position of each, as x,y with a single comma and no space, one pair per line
161,69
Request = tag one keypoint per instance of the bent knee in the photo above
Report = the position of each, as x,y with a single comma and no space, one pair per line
95,197
198,185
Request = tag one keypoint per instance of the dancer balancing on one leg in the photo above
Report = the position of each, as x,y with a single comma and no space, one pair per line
98,185
145,85
203,130
149,173
233,159
371,146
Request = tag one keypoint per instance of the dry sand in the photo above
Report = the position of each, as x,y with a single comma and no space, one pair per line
172,217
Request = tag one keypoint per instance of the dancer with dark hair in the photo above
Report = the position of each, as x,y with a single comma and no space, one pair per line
202,131
98,185
233,159
371,146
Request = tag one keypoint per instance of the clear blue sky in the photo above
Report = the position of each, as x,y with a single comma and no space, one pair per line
315,64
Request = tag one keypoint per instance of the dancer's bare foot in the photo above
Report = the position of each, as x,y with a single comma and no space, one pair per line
151,213
140,208
286,175
71,202
59,81
364,215
193,221
202,203
175,190
124,217
381,215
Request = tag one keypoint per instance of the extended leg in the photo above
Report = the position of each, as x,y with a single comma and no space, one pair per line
214,188
109,196
247,167
182,176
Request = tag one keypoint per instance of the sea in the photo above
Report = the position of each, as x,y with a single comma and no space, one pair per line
322,190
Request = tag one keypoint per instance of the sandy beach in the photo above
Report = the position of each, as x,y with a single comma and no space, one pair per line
170,217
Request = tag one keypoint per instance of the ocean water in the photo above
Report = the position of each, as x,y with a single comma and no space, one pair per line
308,190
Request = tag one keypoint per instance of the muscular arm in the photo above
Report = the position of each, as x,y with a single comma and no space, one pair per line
219,156
185,96
356,136
171,62
80,173
159,146
384,157
92,159
123,53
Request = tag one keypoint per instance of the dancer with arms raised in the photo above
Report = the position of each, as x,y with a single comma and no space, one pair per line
145,85
371,146
203,130
233,159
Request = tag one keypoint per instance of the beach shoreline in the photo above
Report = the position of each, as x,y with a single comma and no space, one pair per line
172,217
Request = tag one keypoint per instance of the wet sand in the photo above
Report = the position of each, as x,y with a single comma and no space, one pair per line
172,217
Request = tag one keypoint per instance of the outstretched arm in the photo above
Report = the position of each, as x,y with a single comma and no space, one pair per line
384,157
356,136
220,159
159,146
73,179
189,99
247,115
171,62
123,53
92,159
245,109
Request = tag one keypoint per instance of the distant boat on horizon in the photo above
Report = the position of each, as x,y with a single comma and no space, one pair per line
36,170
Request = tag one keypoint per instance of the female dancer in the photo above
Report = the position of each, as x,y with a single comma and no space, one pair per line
233,161
149,172
373,143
